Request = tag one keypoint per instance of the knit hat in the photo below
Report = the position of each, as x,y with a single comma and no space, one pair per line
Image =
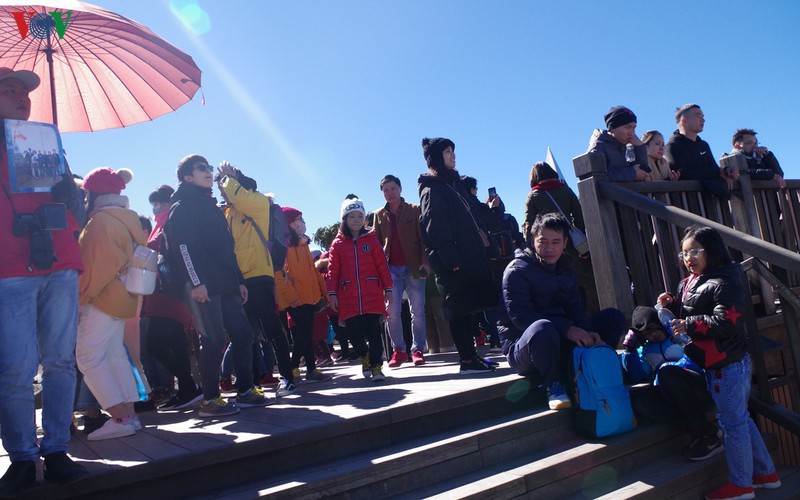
353,205
432,151
291,214
619,116
28,78
646,318
103,180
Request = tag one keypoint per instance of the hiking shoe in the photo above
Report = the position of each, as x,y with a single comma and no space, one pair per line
252,398
476,365
217,407
767,481
296,375
113,429
417,358
377,374
366,368
226,385
557,398
704,447
58,467
730,491
285,387
317,376
183,400
399,357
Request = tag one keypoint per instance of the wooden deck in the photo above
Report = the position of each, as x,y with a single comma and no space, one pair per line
176,440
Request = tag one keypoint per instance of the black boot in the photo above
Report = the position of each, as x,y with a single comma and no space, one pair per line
18,476
58,467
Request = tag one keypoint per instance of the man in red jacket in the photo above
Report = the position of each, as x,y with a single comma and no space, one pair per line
38,311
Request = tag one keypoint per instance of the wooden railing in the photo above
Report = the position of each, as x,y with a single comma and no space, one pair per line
634,232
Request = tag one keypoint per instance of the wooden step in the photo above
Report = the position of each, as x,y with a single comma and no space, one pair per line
563,469
426,460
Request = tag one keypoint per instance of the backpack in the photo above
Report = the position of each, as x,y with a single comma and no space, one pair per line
506,240
279,236
602,405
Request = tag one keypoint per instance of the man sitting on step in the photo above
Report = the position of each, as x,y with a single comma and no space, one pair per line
546,314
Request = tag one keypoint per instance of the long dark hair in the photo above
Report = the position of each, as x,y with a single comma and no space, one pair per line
717,254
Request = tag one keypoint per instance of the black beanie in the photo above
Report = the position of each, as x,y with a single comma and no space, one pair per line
432,151
646,318
619,116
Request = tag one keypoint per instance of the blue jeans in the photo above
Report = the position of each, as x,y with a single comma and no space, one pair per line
744,448
38,320
415,288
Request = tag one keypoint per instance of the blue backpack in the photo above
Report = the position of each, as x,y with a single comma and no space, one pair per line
602,403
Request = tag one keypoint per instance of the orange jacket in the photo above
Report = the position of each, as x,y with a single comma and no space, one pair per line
299,281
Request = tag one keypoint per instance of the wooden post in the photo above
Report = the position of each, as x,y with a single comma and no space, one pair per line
745,219
602,231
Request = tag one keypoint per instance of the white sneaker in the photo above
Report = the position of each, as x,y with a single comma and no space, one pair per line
112,430
137,424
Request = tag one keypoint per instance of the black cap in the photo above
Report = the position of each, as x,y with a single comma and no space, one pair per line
646,318
619,116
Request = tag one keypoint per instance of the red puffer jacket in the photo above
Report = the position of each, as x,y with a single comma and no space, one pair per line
358,275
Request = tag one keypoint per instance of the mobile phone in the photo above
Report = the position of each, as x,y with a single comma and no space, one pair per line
492,192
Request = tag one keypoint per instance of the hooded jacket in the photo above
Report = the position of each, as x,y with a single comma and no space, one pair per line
695,161
252,256
712,305
106,245
358,275
450,234
201,249
619,170
534,290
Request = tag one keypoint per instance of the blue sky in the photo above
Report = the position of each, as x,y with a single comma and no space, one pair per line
317,99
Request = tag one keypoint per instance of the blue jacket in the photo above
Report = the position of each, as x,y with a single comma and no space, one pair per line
639,365
533,290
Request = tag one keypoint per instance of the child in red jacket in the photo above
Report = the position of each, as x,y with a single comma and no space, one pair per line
360,285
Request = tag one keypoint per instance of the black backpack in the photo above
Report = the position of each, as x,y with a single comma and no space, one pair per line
279,235
508,239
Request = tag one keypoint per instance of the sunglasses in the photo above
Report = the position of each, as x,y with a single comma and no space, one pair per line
203,167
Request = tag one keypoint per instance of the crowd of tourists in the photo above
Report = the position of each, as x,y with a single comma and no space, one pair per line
244,310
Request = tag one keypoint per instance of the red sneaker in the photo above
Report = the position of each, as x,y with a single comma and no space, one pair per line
398,358
767,481
417,358
226,385
730,491
268,379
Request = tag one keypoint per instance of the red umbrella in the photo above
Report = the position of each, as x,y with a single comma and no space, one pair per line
99,70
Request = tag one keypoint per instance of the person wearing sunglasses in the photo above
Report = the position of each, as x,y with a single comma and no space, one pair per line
709,307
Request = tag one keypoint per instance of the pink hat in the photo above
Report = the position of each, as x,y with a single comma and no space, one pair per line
291,214
28,78
103,180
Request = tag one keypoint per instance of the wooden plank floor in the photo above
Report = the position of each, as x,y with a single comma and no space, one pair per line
168,435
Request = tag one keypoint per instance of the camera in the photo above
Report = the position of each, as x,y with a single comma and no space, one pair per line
47,217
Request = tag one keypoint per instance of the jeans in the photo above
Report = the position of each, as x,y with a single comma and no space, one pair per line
221,314
539,349
745,450
415,288
38,320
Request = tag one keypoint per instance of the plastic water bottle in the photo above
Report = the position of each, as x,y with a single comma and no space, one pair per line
666,317
630,154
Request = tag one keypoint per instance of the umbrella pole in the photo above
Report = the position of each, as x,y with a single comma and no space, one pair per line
49,53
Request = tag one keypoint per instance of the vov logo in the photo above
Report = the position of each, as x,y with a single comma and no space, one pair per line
41,25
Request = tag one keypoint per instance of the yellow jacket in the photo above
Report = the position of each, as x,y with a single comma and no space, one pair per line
251,254
106,247
302,282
